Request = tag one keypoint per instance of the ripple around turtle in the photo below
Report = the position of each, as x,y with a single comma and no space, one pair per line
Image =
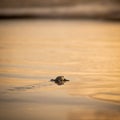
27,87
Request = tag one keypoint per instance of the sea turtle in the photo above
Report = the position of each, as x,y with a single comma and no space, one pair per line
60,80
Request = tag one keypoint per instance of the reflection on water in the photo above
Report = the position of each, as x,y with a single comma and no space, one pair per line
34,51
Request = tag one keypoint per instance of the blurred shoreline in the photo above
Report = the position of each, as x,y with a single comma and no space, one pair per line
70,12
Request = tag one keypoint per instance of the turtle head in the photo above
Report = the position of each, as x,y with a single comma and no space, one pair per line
61,78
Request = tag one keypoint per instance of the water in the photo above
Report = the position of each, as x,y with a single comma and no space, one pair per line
65,46
35,51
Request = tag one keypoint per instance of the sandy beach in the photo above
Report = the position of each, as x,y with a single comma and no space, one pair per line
35,51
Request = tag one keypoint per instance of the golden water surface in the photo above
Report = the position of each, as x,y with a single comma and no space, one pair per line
34,51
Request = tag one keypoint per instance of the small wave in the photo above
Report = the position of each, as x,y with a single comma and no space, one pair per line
28,87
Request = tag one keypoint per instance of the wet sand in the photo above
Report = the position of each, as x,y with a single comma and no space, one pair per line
44,100
35,51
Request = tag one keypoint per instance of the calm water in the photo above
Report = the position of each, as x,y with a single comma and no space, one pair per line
86,52
45,48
